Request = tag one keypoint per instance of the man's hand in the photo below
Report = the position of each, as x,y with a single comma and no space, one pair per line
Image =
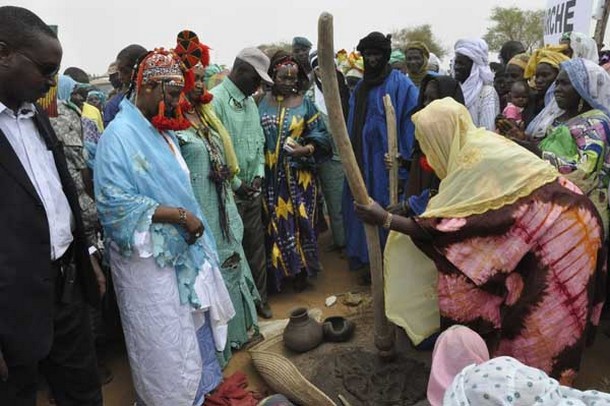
99,274
3,368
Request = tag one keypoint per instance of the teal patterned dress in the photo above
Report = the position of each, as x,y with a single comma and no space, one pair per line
203,152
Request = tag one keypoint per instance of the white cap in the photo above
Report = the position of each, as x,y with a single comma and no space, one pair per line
258,60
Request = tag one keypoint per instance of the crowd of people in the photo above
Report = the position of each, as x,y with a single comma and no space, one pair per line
190,194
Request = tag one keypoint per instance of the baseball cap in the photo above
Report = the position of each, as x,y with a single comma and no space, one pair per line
258,60
112,69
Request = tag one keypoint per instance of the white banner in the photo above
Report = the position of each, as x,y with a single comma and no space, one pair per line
566,16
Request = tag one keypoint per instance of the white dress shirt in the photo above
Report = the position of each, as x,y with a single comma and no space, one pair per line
39,164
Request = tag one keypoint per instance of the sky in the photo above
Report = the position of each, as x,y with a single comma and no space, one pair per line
93,32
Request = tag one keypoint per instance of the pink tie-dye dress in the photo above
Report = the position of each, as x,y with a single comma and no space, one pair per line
528,277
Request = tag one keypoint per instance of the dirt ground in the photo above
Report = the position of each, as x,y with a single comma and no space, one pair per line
335,279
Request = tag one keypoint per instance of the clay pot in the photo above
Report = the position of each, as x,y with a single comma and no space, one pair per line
302,332
337,329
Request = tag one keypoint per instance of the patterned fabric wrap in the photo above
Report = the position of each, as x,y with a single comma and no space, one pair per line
528,277
291,189
579,150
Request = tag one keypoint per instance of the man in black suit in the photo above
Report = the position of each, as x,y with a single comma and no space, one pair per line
46,277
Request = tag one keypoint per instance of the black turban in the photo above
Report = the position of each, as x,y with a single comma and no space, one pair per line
377,41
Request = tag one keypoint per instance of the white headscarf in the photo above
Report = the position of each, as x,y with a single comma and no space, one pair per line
584,47
434,64
317,92
504,381
481,74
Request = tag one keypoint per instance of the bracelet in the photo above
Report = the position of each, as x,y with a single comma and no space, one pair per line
388,221
181,216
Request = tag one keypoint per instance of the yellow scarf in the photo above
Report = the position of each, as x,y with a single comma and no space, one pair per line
479,170
207,112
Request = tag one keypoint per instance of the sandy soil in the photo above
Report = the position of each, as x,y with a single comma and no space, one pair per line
334,280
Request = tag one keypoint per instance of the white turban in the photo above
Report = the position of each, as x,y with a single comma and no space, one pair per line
477,51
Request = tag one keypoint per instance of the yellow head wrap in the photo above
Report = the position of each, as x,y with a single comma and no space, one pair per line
417,77
520,60
551,55
479,170
419,46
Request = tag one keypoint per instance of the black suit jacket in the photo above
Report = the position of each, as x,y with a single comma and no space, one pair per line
27,285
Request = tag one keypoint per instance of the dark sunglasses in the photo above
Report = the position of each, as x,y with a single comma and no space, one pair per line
47,71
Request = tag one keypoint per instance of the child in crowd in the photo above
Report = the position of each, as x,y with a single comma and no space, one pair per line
519,96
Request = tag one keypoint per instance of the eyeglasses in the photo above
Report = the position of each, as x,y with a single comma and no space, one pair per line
47,71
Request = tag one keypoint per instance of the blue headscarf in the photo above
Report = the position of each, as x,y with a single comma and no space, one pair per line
65,87
591,82
101,95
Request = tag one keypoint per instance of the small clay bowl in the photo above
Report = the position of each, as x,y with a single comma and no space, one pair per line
337,329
